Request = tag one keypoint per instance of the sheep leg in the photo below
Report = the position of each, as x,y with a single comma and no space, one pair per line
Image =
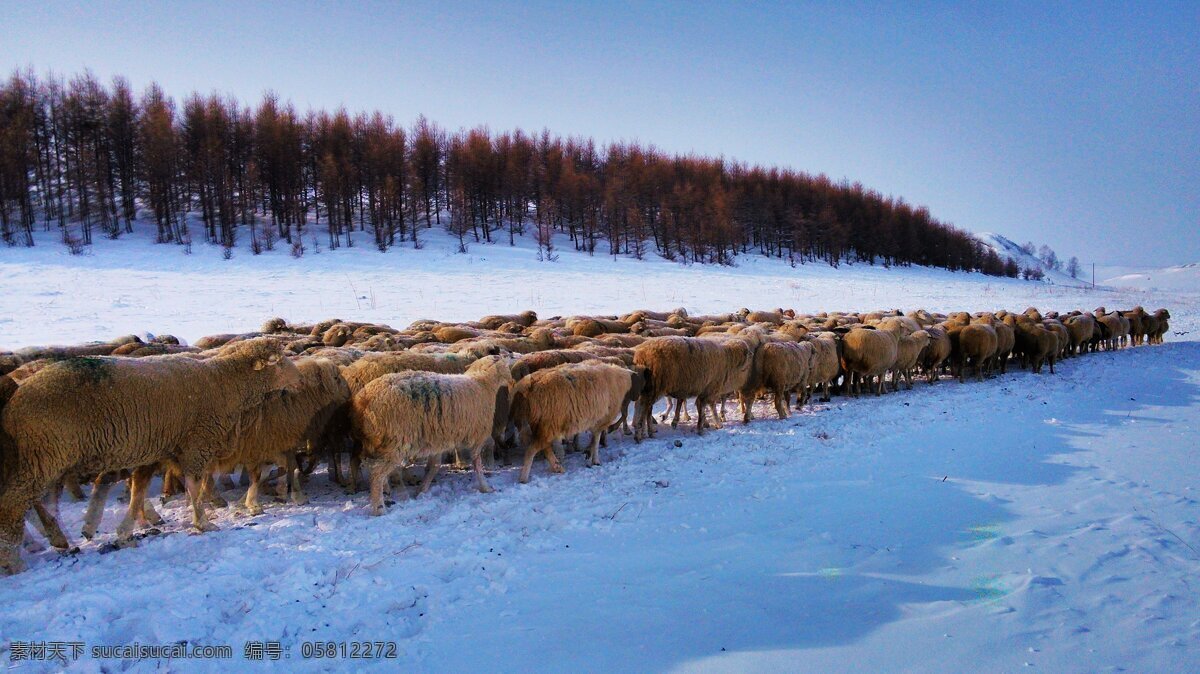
251,502
195,491
334,462
30,542
679,405
379,469
700,421
781,402
71,484
480,480
530,452
210,493
355,467
54,533
95,508
552,459
594,448
431,471
295,473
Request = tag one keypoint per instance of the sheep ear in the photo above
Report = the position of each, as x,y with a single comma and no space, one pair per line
260,364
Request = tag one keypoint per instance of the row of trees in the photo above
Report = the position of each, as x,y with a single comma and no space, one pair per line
83,157
1050,259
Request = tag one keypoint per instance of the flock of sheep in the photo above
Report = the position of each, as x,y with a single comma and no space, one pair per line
292,396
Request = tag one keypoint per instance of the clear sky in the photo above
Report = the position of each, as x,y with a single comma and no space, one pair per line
1076,125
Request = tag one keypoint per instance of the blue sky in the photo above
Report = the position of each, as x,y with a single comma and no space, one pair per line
1076,125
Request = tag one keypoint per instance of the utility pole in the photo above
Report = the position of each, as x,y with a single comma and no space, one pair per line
1093,276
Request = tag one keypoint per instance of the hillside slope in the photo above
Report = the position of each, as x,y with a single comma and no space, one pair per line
134,286
1008,249
1175,278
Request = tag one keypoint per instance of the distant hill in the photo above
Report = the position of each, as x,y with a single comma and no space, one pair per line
1185,277
1010,250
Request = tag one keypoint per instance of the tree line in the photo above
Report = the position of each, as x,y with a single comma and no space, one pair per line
85,158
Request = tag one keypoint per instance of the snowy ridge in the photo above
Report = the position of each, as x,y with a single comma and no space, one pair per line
1184,277
1008,249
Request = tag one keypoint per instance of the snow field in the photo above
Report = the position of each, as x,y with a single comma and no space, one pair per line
1043,521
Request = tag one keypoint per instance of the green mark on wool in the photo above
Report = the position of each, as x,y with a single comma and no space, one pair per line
426,393
94,370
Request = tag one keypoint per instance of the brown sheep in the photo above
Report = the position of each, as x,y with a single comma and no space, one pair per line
1035,342
937,352
9,362
450,334
1080,328
977,347
909,351
103,414
586,326
686,367
826,365
409,416
563,401
287,421
1161,326
867,353
779,367
525,318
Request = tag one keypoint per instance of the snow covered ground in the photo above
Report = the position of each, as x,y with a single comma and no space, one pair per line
1029,521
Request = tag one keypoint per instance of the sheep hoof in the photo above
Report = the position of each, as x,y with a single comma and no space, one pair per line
486,490
255,511
204,527
300,500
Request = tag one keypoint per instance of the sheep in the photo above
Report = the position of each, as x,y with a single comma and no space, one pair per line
909,350
10,362
939,349
1035,342
214,341
563,401
1080,328
285,422
1160,326
586,326
408,416
641,314
101,414
372,366
449,334
74,351
780,367
1113,326
686,367
976,347
867,353
1137,329
525,318
337,335
826,364
626,341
